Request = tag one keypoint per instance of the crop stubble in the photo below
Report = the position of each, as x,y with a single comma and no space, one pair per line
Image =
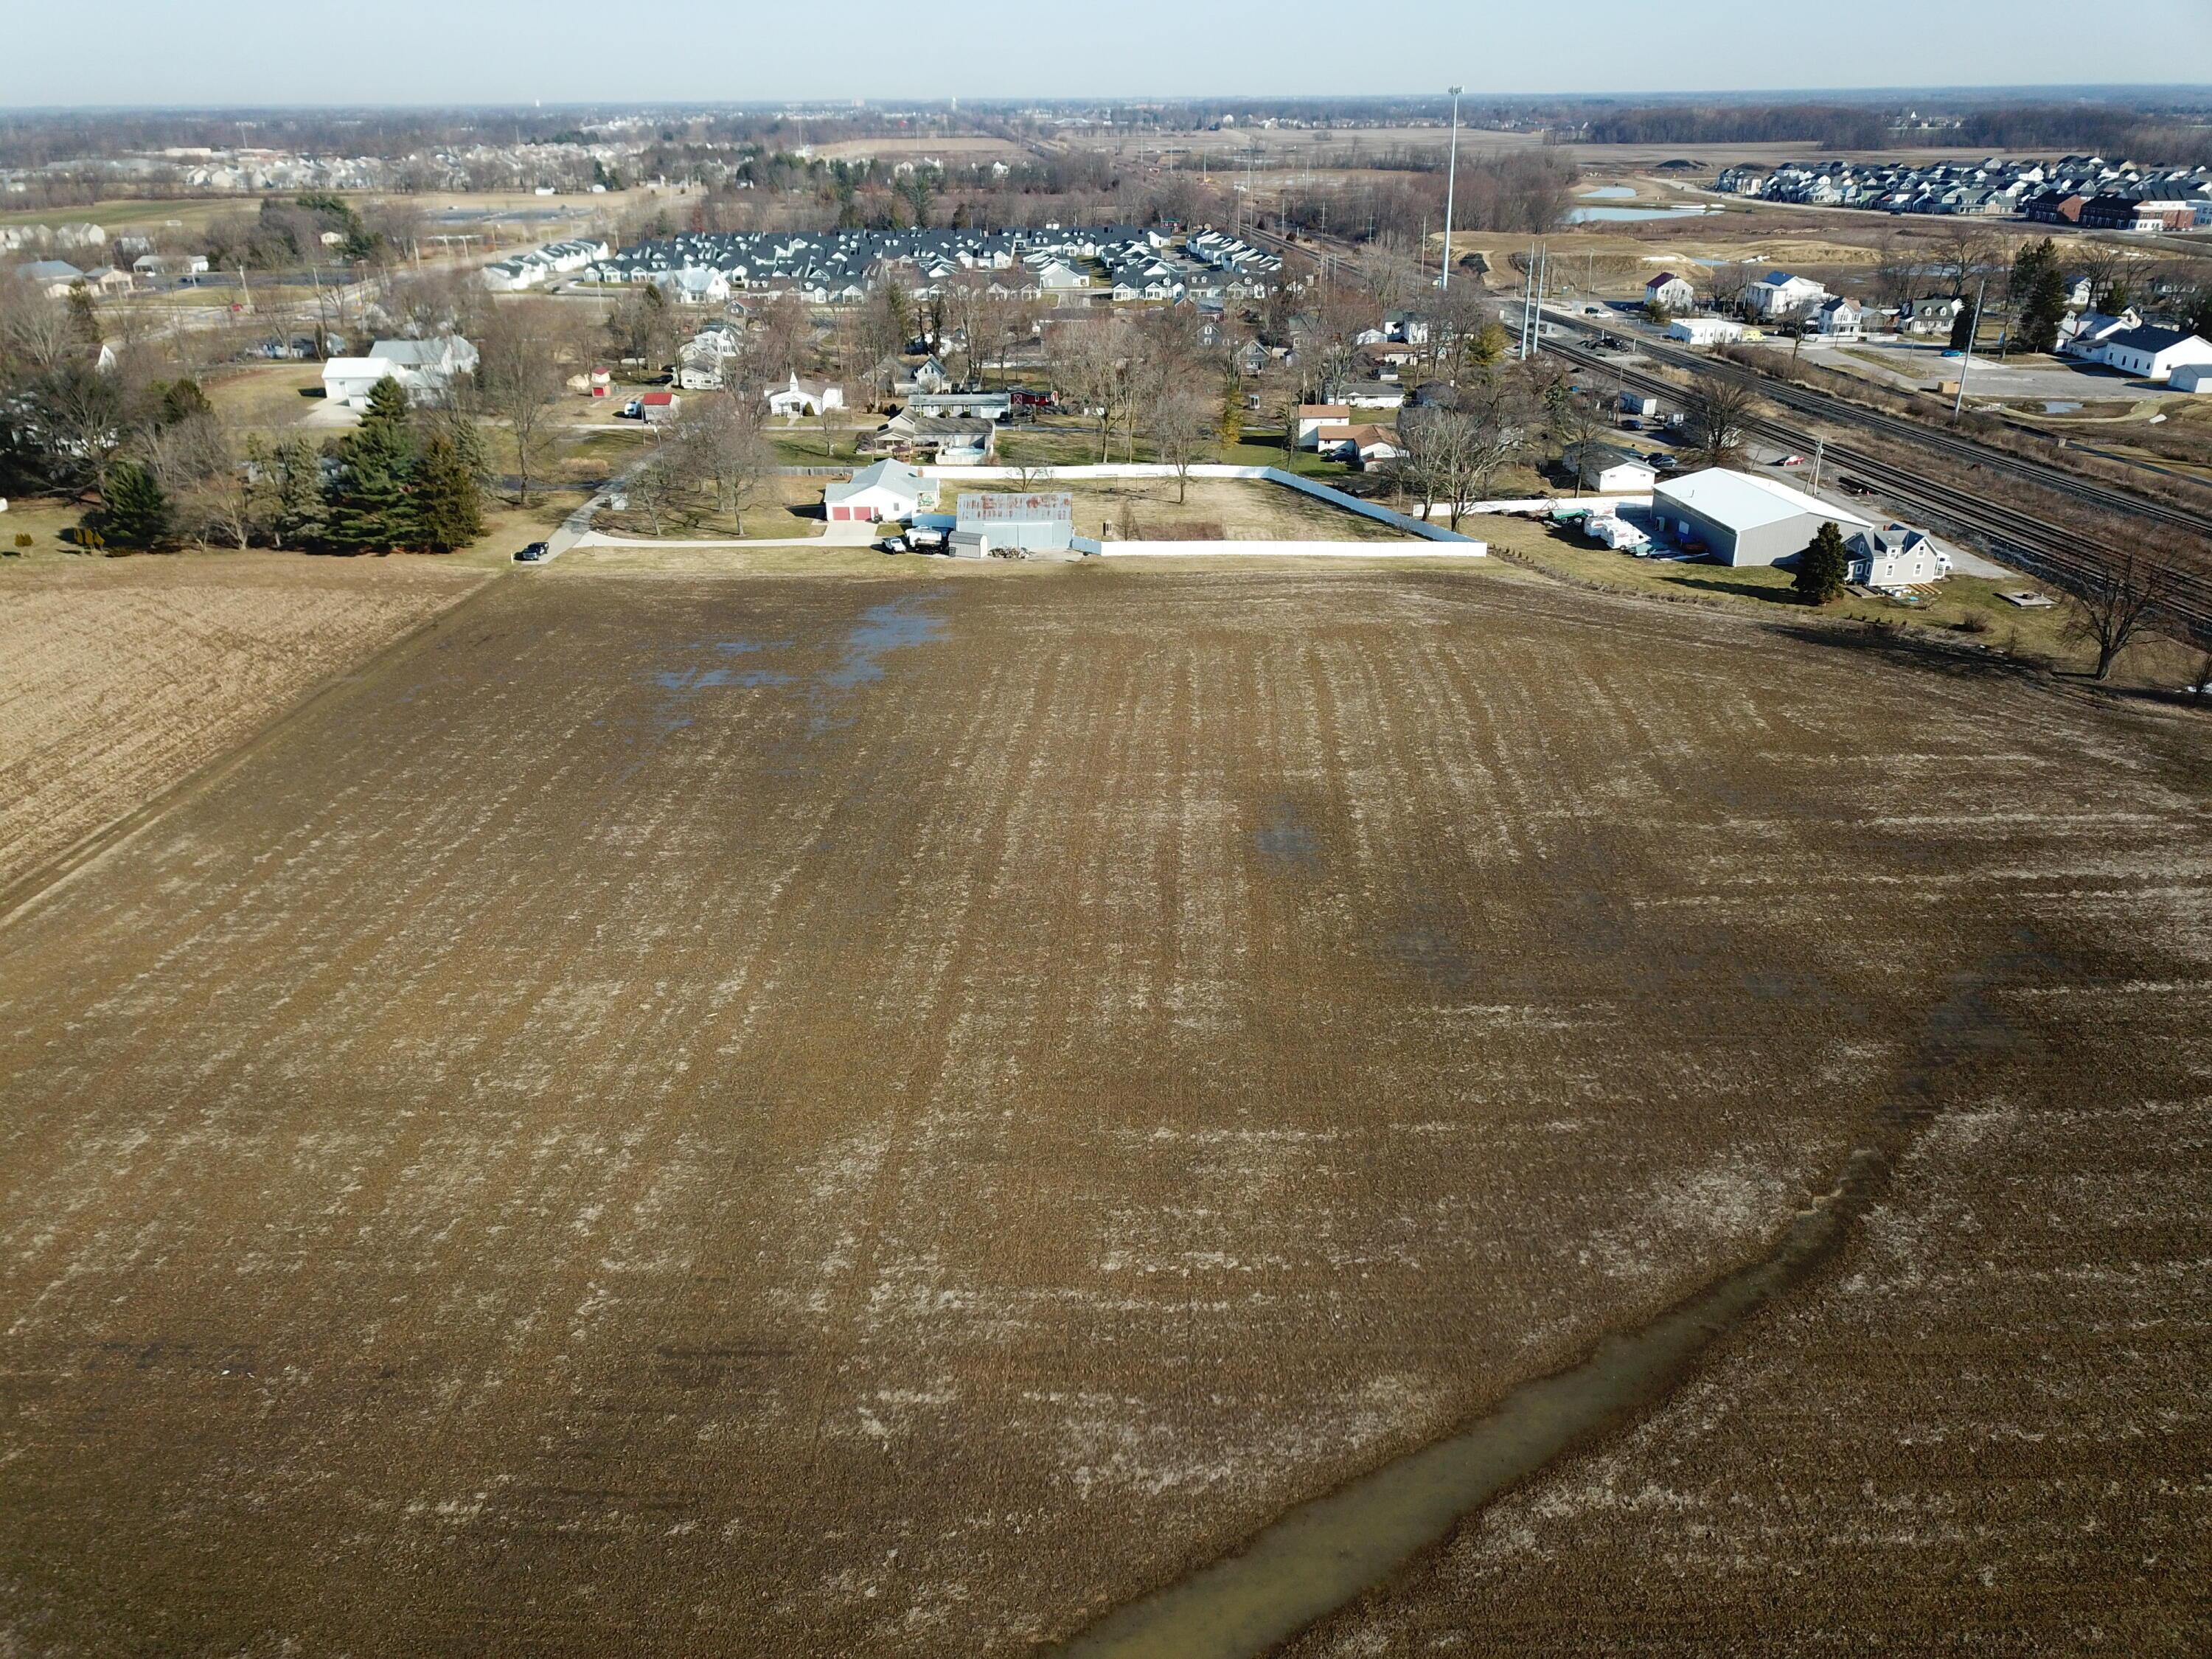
772,1114
118,678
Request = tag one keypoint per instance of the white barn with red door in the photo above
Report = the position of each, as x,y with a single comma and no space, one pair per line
889,489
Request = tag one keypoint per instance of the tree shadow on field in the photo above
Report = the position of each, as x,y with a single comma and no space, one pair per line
1742,590
1956,660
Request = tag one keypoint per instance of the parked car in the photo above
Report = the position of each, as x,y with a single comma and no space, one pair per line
533,554
892,544
1791,460
1659,461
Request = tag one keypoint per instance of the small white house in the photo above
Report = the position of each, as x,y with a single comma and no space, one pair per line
1837,318
805,398
1933,315
887,490
1668,292
1312,417
1610,470
1704,331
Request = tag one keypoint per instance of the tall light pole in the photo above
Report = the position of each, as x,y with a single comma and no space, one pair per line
1451,186
1958,403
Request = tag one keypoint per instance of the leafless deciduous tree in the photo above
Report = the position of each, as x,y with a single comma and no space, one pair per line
1457,446
1098,362
1716,414
719,441
518,379
1897,272
1963,248
1178,423
2119,597
192,459
1727,283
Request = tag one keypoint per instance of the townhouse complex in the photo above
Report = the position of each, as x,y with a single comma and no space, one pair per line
1124,262
2084,190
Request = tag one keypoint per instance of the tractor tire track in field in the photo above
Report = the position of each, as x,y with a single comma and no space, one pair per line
1329,1551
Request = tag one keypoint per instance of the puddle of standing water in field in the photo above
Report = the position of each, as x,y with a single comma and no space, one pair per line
1286,837
883,627
1323,1553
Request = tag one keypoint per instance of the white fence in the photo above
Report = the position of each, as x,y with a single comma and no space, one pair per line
1457,547
1540,504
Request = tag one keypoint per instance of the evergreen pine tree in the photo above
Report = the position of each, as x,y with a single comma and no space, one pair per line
84,321
2039,297
298,519
387,405
1963,325
137,512
371,504
1822,567
181,399
448,512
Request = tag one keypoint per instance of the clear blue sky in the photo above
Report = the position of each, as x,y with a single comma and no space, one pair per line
417,51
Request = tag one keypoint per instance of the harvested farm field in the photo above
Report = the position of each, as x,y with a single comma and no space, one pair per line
123,675
766,1114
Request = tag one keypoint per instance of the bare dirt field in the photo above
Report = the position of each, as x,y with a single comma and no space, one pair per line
1989,1435
122,675
761,1114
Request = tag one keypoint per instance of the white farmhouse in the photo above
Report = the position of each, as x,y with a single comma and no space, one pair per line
424,369
1895,555
1778,295
1668,292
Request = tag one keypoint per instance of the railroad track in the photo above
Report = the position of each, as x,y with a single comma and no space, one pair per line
2056,555
1806,401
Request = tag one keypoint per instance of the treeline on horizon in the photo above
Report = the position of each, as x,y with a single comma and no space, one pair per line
2041,129
2165,133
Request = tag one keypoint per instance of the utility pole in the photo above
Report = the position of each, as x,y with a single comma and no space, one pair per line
1819,453
1958,403
1451,186
1528,289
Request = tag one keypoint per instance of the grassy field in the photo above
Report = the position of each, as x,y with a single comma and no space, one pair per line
1240,510
887,1112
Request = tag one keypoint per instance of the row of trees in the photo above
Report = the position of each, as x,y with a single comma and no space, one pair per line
395,483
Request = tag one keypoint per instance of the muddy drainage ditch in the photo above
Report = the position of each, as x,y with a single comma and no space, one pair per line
1323,1554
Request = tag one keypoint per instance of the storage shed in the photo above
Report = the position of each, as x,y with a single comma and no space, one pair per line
1041,522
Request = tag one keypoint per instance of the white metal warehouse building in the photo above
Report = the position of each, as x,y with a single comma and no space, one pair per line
1742,519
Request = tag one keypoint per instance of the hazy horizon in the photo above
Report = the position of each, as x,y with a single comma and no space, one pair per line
257,54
